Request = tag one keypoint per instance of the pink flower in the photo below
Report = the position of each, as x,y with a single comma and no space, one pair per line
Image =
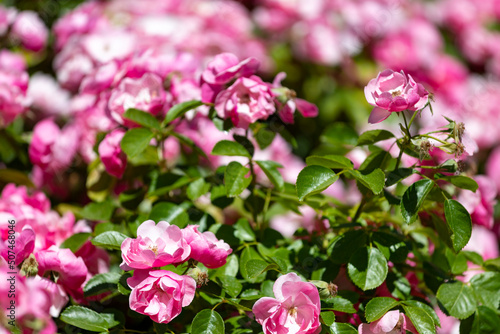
47,96
205,247
30,30
145,94
7,16
296,308
112,156
493,166
13,87
481,203
155,246
71,271
161,295
226,67
245,101
53,149
393,322
393,92
23,246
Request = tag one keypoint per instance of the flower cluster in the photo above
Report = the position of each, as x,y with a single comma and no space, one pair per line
161,294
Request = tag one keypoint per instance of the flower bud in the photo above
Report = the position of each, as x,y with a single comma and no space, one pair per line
326,290
201,277
30,266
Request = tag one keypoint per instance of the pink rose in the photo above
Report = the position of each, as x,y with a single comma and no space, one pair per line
205,247
13,87
145,94
226,67
155,246
393,322
296,308
30,30
161,295
481,203
493,166
112,156
47,96
245,101
53,149
393,92
71,270
24,245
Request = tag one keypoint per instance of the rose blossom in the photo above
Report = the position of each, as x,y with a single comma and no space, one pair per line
145,94
245,101
393,322
480,204
295,309
30,30
161,295
393,92
205,247
155,246
112,156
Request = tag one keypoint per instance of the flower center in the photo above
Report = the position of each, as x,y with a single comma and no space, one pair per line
154,249
396,93
245,98
292,311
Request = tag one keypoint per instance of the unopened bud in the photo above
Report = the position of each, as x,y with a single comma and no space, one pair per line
425,147
29,267
326,290
201,277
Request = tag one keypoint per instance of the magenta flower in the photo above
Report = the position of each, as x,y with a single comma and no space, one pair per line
161,295
393,322
393,92
30,30
112,156
206,248
296,308
245,101
155,246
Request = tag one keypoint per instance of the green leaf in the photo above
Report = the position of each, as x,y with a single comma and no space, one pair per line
327,317
313,180
330,161
374,181
460,223
367,268
342,328
460,181
235,179
255,267
486,321
75,241
340,304
487,288
340,134
246,143
84,318
109,240
393,248
207,322
247,255
130,199
169,212
398,175
197,188
230,148
231,285
243,230
101,283
180,109
342,247
270,168
413,198
135,141
420,319
373,136
379,306
98,210
15,176
429,310
142,118
122,285
457,298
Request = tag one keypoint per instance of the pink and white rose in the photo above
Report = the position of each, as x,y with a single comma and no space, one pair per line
205,247
111,153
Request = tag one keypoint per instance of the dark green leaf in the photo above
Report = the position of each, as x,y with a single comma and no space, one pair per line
379,306
270,168
340,134
487,288
342,247
374,181
246,143
342,328
135,141
180,109
314,179
230,148
429,310
197,188
130,199
247,255
101,283
75,241
98,210
328,317
460,223
109,240
207,322
340,304
84,318
142,118
330,161
255,267
231,285
393,248
461,181
235,179
243,230
367,268
398,175
169,212
373,136
413,198
15,176
458,299
420,319
486,321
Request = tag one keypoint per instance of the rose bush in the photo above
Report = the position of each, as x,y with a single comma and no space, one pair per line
230,166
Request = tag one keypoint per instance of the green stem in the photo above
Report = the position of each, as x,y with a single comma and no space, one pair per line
358,210
434,138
